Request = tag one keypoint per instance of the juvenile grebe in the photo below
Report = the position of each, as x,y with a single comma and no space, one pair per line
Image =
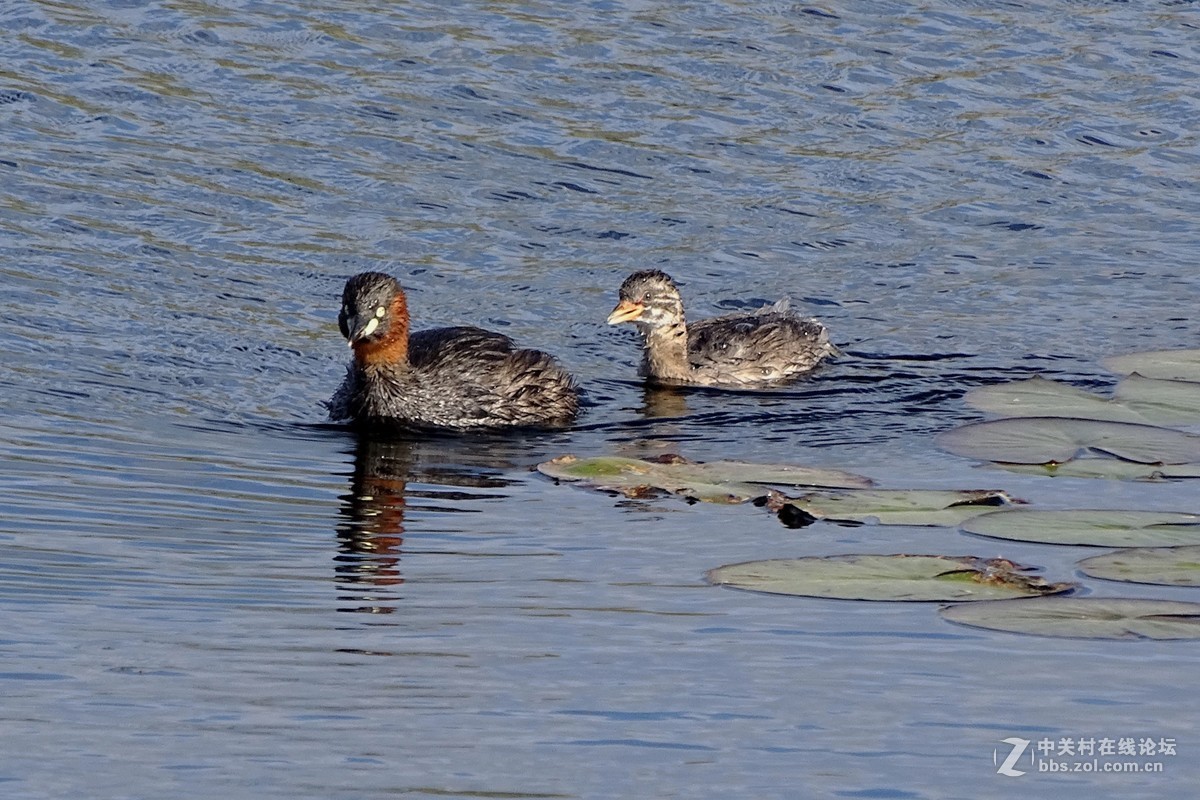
765,346
458,378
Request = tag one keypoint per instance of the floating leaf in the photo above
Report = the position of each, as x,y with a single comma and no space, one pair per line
777,474
886,577
1039,397
1169,566
1108,468
1180,365
1136,399
1166,402
634,477
1093,527
714,482
897,506
1083,617
1039,440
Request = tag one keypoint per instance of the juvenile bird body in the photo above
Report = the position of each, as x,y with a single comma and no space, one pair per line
454,378
766,346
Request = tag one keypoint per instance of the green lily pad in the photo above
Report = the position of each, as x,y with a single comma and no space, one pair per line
1165,402
906,578
1107,468
1180,365
1136,399
1092,527
1168,566
897,506
714,482
775,474
1083,617
1040,440
1039,397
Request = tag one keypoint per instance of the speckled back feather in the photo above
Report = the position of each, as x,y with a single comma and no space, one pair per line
766,346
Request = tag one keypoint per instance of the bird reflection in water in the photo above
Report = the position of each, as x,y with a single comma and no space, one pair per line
663,401
371,533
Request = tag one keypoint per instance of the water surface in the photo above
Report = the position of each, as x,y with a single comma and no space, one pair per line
208,592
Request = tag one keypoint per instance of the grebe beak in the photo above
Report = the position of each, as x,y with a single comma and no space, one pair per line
626,311
357,328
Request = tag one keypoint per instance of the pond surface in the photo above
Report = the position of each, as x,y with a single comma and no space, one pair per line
208,592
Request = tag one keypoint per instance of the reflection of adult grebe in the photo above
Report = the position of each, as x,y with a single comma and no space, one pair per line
371,533
457,378
372,530
767,346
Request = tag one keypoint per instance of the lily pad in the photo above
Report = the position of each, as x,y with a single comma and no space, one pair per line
1136,399
1166,402
1083,617
1040,440
714,482
1092,527
775,474
1181,365
897,506
910,578
1039,397
1108,468
1168,566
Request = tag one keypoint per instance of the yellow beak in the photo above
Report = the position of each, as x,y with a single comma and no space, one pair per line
626,311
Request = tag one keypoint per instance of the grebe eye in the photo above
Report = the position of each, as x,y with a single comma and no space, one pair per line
379,312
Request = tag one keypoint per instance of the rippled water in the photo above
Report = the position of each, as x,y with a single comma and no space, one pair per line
208,592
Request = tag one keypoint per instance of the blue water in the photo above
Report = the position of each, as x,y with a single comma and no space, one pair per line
206,591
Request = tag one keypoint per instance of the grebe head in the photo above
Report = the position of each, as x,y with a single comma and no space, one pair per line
649,299
373,308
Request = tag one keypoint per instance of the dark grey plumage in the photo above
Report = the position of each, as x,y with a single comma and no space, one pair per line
457,378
